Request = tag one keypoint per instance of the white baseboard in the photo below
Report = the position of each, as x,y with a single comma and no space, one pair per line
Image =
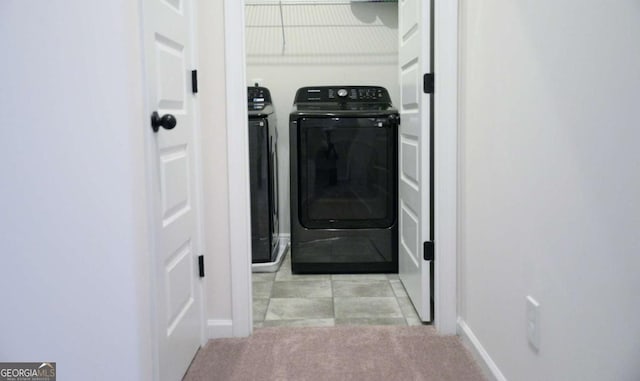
219,328
489,367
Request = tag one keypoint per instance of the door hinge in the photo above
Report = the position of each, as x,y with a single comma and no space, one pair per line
194,81
429,251
201,265
429,83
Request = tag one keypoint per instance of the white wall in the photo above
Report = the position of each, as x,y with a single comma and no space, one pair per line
326,44
74,258
550,185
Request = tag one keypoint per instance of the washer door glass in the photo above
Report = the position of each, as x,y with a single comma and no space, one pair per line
347,172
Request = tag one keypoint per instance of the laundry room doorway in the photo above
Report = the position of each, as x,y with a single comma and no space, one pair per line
338,183
274,27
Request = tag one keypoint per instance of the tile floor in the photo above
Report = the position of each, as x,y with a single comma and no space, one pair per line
286,299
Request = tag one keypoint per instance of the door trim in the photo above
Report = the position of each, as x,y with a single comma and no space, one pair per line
238,169
446,117
446,165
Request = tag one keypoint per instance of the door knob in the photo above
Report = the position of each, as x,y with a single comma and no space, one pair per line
167,121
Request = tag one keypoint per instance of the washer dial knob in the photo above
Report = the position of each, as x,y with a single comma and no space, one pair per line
342,93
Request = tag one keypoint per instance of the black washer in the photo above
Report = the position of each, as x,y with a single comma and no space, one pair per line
263,172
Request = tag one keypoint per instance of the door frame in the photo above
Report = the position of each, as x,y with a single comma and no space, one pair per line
445,167
238,169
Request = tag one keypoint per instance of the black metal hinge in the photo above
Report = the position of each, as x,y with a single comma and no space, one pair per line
429,251
194,81
201,265
429,83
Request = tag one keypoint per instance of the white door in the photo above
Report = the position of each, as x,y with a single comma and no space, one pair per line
414,209
177,289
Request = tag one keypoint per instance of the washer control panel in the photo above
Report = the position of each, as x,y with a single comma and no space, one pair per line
343,94
257,97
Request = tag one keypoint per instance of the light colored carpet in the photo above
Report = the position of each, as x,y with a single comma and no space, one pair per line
336,353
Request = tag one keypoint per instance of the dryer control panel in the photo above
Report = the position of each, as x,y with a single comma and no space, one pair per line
343,94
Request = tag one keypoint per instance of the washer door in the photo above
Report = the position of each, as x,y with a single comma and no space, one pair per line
347,173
